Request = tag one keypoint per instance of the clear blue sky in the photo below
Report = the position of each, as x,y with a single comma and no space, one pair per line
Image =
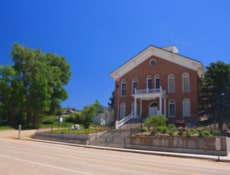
97,36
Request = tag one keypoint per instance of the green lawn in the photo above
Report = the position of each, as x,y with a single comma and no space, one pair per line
68,130
5,128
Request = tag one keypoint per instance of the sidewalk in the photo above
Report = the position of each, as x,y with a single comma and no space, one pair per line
25,135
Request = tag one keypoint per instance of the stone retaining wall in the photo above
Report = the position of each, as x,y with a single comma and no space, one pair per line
179,144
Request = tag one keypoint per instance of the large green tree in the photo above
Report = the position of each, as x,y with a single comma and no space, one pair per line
35,85
215,92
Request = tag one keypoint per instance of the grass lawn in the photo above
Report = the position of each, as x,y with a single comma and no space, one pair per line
5,128
65,128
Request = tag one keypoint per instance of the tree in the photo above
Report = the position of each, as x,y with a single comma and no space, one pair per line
215,92
87,115
34,87
111,99
99,107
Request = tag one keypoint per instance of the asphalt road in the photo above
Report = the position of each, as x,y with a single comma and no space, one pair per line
23,157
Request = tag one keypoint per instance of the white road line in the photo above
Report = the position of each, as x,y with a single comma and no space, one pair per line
46,165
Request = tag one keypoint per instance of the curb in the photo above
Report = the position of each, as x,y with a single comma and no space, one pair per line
170,154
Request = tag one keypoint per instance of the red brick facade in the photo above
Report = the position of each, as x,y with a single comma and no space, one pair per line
140,69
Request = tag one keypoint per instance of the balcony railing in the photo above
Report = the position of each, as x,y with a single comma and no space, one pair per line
150,91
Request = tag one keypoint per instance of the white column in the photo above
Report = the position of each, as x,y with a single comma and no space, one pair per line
160,104
135,107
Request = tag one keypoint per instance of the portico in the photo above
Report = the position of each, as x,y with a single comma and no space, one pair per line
158,107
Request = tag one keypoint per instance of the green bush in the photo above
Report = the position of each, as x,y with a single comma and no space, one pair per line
155,121
188,133
154,132
180,132
215,132
204,133
172,127
48,120
144,129
162,129
74,118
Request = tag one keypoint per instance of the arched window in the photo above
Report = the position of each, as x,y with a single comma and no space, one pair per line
149,82
123,88
134,85
171,108
171,83
122,110
157,81
186,108
185,82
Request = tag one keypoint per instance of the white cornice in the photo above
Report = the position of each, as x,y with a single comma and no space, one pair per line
161,53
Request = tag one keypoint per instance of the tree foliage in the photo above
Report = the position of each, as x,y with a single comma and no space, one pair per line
33,86
215,92
111,101
87,115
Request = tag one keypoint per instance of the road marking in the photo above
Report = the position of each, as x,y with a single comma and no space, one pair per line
45,165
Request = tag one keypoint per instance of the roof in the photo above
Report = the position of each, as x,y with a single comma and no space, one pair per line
162,53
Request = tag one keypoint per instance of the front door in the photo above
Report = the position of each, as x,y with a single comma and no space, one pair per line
153,108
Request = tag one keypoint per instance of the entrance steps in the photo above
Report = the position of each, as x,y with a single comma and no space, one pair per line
116,137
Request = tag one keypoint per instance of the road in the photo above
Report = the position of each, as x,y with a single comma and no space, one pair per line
24,157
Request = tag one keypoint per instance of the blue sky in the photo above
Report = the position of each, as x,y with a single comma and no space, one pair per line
97,36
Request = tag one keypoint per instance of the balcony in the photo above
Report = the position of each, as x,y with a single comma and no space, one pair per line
148,94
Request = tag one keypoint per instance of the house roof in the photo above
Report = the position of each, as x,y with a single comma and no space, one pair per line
168,53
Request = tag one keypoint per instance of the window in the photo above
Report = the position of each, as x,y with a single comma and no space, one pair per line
186,82
149,82
134,85
157,81
122,110
171,83
152,62
186,108
123,88
171,108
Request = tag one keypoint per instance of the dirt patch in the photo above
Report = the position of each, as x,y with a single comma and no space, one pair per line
24,134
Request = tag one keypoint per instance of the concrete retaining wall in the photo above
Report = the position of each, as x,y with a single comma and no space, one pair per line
180,144
70,138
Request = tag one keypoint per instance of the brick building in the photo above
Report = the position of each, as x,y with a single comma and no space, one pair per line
158,81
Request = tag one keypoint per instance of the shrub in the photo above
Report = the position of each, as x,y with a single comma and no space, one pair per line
193,131
188,133
155,121
171,127
204,133
154,132
180,132
164,129
215,132
144,129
